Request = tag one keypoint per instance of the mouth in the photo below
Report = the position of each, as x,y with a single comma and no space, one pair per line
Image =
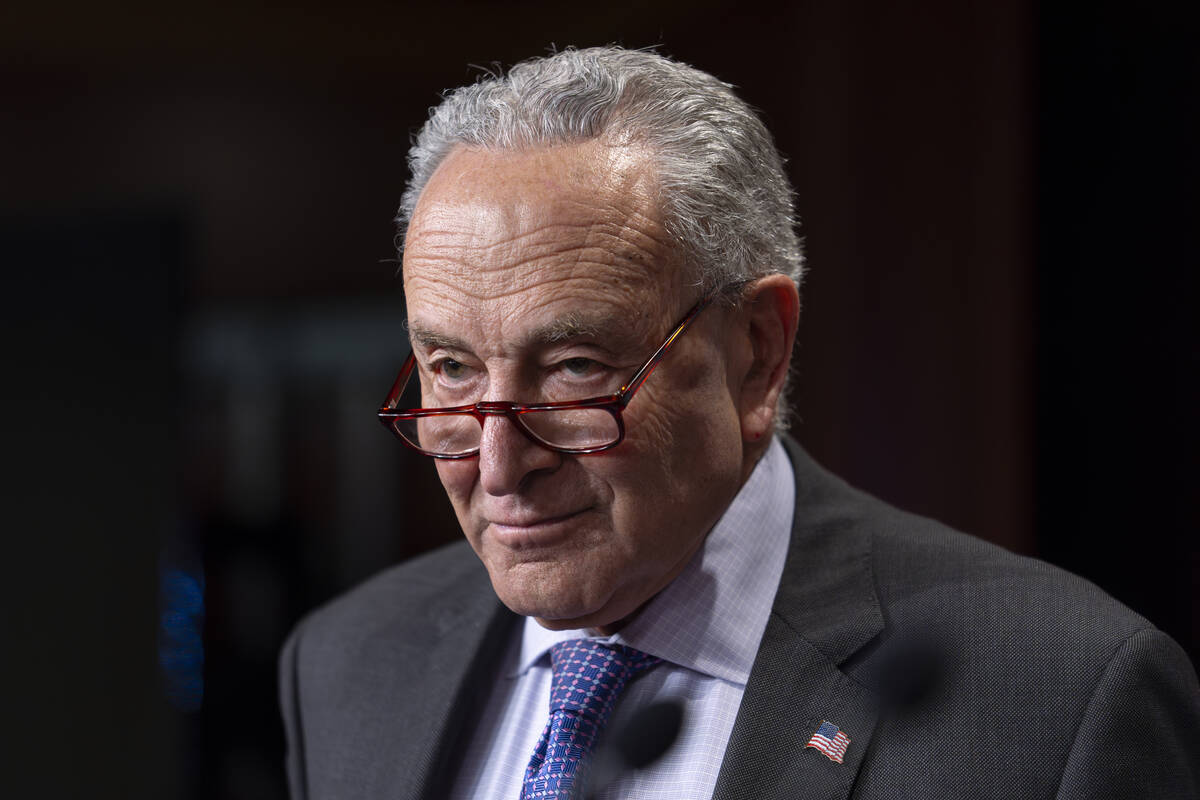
521,531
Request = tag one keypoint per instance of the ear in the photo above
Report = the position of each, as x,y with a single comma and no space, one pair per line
771,312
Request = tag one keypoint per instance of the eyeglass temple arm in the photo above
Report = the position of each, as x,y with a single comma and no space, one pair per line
393,396
628,390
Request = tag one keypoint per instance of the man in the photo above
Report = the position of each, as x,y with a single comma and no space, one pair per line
615,228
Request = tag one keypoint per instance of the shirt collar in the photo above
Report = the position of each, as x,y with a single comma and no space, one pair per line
712,616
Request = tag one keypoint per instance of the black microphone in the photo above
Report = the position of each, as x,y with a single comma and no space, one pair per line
635,743
908,674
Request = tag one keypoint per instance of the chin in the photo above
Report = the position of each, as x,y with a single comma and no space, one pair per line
605,621
552,612
562,593
565,606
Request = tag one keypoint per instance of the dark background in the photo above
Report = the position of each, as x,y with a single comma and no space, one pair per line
201,316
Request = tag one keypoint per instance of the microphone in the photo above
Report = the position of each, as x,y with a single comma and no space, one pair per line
908,675
636,743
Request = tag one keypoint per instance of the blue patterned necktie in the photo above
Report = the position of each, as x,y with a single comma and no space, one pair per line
588,677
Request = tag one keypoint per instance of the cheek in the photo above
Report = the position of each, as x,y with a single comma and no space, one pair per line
684,456
679,430
646,479
458,478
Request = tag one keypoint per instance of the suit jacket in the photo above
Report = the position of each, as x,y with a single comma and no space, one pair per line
956,669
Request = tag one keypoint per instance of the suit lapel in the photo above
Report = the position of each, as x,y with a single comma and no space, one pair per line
825,610
792,690
465,669
426,688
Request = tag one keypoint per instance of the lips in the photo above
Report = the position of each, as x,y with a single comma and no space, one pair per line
519,531
533,520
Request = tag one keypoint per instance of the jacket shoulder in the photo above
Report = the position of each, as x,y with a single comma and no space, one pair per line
925,578
980,653
927,568
1016,648
408,595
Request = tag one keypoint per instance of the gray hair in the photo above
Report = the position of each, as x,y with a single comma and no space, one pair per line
726,201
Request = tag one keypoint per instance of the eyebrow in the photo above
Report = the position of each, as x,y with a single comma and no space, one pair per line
433,339
571,326
575,325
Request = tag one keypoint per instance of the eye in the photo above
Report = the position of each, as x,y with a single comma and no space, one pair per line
450,369
580,367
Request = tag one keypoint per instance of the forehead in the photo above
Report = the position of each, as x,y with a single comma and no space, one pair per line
505,240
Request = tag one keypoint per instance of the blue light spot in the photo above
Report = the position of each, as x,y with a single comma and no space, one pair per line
181,641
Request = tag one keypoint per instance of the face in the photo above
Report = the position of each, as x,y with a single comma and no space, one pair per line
549,272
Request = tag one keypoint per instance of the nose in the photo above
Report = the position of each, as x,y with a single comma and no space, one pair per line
508,458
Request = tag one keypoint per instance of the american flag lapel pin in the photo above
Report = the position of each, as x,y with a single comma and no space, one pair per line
830,741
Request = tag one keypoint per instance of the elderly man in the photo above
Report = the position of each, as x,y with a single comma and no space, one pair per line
601,273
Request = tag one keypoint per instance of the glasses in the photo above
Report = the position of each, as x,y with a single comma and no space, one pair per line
577,427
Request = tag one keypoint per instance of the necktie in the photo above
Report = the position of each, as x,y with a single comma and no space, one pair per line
587,678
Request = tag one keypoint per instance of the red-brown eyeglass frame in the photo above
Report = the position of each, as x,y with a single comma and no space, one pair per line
613,403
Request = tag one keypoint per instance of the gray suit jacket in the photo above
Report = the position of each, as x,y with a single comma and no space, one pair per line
956,668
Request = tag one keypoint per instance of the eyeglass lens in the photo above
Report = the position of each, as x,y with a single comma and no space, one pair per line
455,434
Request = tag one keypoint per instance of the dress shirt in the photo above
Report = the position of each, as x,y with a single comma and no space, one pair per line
706,626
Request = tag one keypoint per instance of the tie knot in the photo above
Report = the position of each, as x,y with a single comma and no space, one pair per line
588,675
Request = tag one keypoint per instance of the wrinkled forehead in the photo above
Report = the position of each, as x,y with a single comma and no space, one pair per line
502,237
